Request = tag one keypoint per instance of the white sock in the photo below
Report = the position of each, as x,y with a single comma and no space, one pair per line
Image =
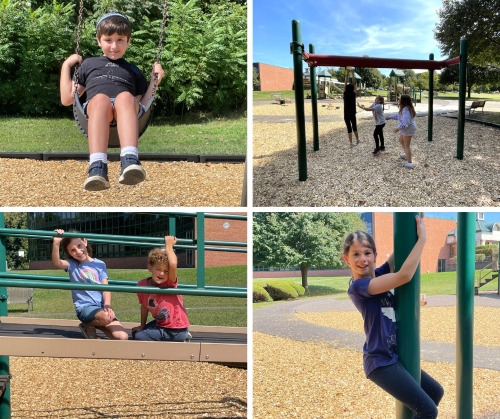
129,150
98,156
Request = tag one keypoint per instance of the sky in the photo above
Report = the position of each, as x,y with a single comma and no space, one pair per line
489,217
402,29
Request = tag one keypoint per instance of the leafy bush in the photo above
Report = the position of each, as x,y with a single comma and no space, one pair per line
299,288
480,258
486,250
260,294
280,290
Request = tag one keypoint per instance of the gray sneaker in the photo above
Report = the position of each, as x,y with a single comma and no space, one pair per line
98,177
189,337
132,171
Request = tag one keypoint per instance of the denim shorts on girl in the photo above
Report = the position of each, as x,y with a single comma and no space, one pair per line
88,313
142,108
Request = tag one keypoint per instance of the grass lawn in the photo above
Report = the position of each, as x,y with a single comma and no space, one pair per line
263,96
431,284
192,135
60,301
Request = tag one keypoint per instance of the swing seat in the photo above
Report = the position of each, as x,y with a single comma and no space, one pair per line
114,140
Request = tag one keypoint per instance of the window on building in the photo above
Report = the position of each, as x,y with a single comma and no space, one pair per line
453,250
441,265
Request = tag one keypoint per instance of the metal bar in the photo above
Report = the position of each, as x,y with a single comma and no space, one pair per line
119,288
200,251
407,303
171,226
35,277
430,118
5,411
297,51
466,248
452,61
240,217
314,103
372,62
108,238
461,98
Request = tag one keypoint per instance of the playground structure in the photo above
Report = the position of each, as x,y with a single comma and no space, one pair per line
313,60
407,307
25,337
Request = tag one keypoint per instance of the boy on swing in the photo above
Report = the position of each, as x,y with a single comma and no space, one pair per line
116,91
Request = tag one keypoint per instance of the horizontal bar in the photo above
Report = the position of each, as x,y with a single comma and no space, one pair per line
118,288
210,215
315,60
35,277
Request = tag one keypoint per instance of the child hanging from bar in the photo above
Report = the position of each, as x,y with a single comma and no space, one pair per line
350,108
406,127
170,321
372,292
378,114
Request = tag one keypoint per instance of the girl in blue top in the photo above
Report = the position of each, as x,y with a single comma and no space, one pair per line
93,308
371,290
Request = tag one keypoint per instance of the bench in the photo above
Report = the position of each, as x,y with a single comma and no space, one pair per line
276,96
476,104
20,296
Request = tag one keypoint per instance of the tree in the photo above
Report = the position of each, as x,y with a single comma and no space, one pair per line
478,21
15,244
302,239
475,75
371,76
408,74
256,81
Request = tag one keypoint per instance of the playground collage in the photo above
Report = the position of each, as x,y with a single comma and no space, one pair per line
234,209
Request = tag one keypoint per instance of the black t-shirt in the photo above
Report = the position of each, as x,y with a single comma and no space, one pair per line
349,104
111,77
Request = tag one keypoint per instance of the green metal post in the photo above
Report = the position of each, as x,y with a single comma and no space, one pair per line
407,303
200,251
466,248
430,118
314,103
297,49
4,360
461,98
171,226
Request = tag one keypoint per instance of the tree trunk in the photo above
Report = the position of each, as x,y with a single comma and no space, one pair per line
303,270
469,88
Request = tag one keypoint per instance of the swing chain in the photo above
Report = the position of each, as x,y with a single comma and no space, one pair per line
78,43
158,56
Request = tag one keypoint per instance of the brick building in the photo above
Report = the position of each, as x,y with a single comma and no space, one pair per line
273,78
147,224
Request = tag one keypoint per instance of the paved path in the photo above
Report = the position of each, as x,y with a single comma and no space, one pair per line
280,320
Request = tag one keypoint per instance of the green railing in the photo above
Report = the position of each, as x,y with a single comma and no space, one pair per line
26,280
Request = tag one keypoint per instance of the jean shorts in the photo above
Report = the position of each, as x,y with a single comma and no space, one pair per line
142,108
88,313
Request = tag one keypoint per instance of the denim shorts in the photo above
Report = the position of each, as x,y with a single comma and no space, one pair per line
142,108
88,313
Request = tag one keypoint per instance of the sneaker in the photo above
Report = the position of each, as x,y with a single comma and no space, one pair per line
352,145
132,171
407,166
357,142
98,177
382,148
376,152
86,333
189,337
403,156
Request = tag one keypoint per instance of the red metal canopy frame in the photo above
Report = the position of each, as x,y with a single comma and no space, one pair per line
315,60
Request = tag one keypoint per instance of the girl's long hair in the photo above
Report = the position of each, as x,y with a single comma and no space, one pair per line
67,240
359,236
382,101
404,102
349,96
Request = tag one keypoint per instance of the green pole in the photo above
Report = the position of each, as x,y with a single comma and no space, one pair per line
200,251
407,303
296,49
461,98
314,103
430,118
171,226
466,248
4,360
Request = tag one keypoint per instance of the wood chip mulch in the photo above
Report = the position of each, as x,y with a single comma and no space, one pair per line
34,183
436,323
90,388
311,380
340,176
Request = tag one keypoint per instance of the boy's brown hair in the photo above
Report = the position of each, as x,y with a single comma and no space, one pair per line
158,255
114,24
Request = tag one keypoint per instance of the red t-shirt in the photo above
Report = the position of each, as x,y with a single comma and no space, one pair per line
167,309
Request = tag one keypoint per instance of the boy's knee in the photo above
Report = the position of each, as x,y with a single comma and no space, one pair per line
121,335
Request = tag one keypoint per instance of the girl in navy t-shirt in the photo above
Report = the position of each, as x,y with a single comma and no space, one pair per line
372,292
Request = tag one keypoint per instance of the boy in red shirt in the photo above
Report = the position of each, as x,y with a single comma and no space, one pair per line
170,318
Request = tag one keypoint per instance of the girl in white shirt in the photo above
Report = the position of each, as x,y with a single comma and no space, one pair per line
406,126
378,113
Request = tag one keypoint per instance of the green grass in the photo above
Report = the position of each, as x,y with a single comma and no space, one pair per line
60,301
431,284
192,135
263,96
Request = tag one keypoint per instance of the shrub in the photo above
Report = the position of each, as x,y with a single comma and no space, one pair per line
279,290
480,258
260,294
299,288
486,249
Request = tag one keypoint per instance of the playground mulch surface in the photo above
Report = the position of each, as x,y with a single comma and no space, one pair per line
90,388
34,183
340,176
